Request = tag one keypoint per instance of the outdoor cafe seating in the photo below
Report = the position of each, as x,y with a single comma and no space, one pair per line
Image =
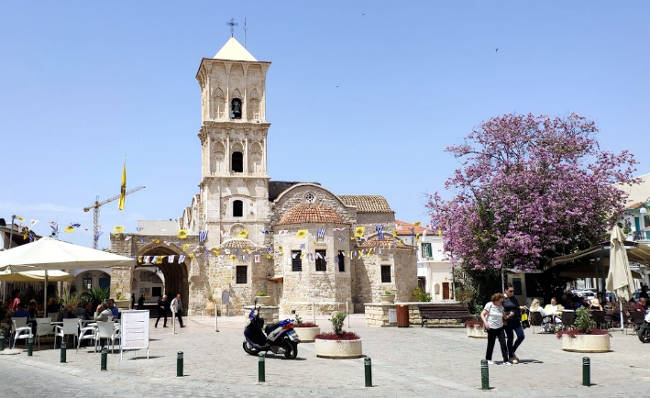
20,330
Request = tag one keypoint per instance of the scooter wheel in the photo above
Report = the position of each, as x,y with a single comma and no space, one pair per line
250,350
290,349
644,336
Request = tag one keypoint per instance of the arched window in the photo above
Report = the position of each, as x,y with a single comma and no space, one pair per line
237,162
237,208
235,108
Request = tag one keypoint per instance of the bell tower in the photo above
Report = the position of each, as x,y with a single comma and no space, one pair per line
234,183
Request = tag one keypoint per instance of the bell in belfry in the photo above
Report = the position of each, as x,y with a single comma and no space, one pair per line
236,109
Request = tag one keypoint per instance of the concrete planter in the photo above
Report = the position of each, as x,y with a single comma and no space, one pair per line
123,304
387,298
476,331
586,343
264,300
307,335
338,348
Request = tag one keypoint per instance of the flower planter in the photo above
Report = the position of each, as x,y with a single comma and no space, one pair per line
123,304
338,348
264,300
586,343
308,334
387,298
476,331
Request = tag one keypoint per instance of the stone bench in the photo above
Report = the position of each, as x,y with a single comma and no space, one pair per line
443,311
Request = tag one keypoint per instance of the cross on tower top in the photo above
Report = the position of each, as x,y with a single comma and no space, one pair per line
232,25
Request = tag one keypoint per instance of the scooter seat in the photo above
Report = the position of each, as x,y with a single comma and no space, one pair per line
269,328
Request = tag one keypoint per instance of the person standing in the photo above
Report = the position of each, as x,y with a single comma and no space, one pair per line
177,308
163,309
141,302
513,324
493,317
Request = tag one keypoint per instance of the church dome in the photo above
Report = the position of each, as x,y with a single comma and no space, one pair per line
310,213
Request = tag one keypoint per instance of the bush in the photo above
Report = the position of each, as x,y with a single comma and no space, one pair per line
334,336
262,294
95,296
421,296
583,321
337,322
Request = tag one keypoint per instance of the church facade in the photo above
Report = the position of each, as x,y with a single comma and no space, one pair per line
295,241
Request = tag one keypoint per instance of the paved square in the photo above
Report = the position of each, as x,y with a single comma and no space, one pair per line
405,362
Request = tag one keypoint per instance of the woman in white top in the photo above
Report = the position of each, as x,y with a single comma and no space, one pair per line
493,316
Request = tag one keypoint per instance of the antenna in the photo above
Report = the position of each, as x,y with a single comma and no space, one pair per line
232,25
244,32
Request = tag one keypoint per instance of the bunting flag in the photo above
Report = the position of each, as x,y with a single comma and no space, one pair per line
182,234
243,234
69,228
19,218
359,231
54,226
302,255
301,234
320,233
120,204
440,232
156,241
225,233
294,255
25,232
154,260
417,223
216,251
191,256
181,258
268,256
395,234
185,247
232,257
118,229
339,229
170,259
283,232
265,232
227,251
311,257
139,259
160,259
380,231
139,229
203,235
127,238
32,223
257,258
146,259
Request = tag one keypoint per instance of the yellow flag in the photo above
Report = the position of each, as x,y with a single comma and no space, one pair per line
19,218
118,229
122,188
440,232
359,231
301,234
395,234
216,251
243,234
417,223
232,257
185,247
69,228
182,234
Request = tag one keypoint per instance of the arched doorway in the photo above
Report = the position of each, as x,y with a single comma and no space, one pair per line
175,274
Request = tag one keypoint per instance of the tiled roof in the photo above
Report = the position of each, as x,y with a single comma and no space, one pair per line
634,206
367,203
405,228
237,243
306,213
388,241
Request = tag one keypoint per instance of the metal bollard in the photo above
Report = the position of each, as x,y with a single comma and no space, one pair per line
104,358
179,364
2,340
30,346
63,347
260,370
485,375
368,369
586,370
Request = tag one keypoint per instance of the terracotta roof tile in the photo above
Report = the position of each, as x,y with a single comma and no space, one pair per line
237,243
367,203
405,228
310,213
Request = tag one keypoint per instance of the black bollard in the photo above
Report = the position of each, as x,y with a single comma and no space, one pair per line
261,377
179,364
104,358
586,370
63,347
485,375
30,346
2,340
368,370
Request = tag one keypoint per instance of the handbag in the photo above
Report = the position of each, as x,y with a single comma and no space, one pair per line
524,320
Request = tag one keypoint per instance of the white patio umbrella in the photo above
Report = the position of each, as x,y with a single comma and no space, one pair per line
35,276
619,278
52,254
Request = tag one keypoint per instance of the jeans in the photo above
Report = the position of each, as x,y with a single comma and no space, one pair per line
519,331
493,334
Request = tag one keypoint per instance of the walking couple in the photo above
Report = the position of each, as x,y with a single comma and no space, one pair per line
502,319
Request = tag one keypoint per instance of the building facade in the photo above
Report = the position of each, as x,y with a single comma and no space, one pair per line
296,241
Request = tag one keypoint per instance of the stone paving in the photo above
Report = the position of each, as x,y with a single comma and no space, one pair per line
406,362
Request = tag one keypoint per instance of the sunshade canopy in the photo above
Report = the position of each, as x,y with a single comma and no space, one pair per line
35,276
52,254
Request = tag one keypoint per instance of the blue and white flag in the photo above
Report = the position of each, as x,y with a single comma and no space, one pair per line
203,235
320,233
380,232
181,258
170,259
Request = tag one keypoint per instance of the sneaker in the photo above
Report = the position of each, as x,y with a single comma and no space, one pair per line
490,362
506,363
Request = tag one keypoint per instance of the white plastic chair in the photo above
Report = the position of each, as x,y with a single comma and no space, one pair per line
87,332
43,328
54,316
70,327
106,330
20,329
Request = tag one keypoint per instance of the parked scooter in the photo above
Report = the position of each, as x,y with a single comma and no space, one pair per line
280,338
644,330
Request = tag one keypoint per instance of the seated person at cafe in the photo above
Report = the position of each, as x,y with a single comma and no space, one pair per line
21,312
583,303
103,313
554,309
642,305
32,309
113,308
53,305
595,305
68,312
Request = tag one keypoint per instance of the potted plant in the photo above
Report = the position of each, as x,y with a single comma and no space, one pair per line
340,344
387,297
475,329
121,301
584,337
306,331
263,298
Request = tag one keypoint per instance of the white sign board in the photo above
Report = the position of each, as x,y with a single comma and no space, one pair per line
134,330
225,297
392,315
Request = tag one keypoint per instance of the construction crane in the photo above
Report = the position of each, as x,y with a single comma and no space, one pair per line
96,207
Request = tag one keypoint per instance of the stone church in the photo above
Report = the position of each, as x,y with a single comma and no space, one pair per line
295,241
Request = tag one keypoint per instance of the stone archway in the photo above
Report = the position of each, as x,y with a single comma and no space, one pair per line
175,275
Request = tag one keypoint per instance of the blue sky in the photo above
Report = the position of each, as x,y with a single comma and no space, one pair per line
363,96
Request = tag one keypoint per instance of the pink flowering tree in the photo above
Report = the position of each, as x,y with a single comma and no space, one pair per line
530,188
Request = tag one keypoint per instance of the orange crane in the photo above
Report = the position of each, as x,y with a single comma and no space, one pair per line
95,206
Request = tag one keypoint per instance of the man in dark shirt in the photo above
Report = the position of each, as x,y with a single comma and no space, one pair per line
163,309
513,324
